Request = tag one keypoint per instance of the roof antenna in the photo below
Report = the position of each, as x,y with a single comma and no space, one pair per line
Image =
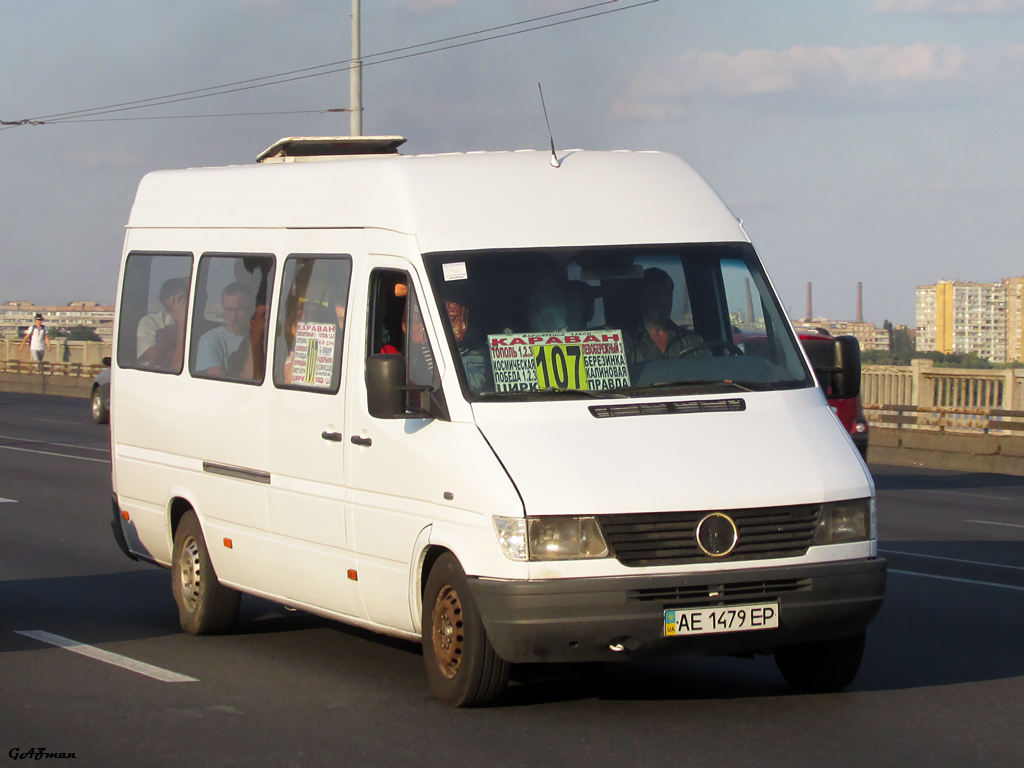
554,156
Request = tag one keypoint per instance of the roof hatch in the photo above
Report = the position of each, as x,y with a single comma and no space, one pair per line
303,148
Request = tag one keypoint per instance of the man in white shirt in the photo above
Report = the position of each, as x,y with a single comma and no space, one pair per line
38,338
160,335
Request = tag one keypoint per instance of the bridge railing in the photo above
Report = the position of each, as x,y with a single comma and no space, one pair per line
51,369
922,384
978,421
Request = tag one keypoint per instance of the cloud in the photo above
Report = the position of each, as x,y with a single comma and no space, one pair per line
422,7
978,186
873,74
989,7
274,6
103,158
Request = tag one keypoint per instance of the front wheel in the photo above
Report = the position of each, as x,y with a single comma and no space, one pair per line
205,606
462,667
822,667
100,412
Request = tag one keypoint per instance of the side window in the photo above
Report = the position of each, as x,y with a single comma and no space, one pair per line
398,327
229,320
311,322
153,312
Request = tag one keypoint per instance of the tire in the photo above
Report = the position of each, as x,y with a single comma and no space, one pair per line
823,667
462,667
205,606
100,412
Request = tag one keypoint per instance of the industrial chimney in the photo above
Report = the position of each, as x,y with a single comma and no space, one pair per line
860,302
810,313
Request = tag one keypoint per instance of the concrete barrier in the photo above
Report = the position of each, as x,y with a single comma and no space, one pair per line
46,384
1002,454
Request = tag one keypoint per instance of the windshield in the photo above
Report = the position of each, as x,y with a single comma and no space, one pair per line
614,321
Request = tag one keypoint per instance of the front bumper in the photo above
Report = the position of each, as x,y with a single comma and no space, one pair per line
561,620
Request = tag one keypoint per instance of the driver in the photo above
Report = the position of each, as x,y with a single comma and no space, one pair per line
656,337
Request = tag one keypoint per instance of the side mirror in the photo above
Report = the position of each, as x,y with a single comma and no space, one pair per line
106,361
846,375
385,382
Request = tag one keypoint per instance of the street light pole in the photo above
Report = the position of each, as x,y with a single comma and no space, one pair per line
356,78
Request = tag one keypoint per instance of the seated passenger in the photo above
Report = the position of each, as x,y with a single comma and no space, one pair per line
656,337
216,346
160,336
546,306
474,357
580,303
395,308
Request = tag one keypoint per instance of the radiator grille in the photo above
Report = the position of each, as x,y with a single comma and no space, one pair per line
669,538
719,594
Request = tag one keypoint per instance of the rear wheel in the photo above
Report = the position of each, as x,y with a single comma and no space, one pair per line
205,606
100,412
822,667
462,667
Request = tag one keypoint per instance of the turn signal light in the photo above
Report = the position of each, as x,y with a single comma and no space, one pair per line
228,544
352,575
124,514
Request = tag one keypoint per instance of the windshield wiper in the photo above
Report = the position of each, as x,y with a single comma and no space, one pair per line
746,386
597,394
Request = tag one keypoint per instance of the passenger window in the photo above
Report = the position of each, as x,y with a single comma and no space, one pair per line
311,323
230,322
154,310
398,327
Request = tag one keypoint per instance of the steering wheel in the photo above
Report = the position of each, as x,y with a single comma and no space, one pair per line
728,346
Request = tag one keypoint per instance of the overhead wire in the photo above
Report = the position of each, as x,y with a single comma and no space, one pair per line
407,52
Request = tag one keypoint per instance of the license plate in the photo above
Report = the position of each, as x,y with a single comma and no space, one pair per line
732,618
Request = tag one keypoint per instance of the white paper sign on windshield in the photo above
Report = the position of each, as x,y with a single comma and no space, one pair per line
590,360
313,361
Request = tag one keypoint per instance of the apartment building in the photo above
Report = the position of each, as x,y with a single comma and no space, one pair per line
16,316
956,317
871,337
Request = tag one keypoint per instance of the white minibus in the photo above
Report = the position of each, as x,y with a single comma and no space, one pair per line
516,406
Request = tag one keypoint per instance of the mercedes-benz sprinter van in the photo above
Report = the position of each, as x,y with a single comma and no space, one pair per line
490,402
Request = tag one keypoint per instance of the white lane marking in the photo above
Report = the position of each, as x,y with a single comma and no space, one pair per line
8,501
57,421
50,453
954,578
163,675
989,522
47,442
961,493
952,559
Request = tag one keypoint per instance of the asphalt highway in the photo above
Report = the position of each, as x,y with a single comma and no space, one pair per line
942,681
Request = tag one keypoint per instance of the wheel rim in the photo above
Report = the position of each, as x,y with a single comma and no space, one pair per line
447,630
190,573
96,405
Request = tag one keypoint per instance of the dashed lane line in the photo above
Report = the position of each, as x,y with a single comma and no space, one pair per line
952,559
962,581
58,456
991,522
959,493
105,449
140,667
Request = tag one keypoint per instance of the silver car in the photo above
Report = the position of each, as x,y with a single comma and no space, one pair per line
101,395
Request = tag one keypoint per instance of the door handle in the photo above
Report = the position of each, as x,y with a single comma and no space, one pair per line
363,441
334,437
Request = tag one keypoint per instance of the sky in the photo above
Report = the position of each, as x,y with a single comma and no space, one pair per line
873,141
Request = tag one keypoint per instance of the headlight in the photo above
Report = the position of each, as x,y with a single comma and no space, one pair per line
844,521
550,538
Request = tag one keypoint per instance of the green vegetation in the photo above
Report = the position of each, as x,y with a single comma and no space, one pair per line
903,352
83,333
